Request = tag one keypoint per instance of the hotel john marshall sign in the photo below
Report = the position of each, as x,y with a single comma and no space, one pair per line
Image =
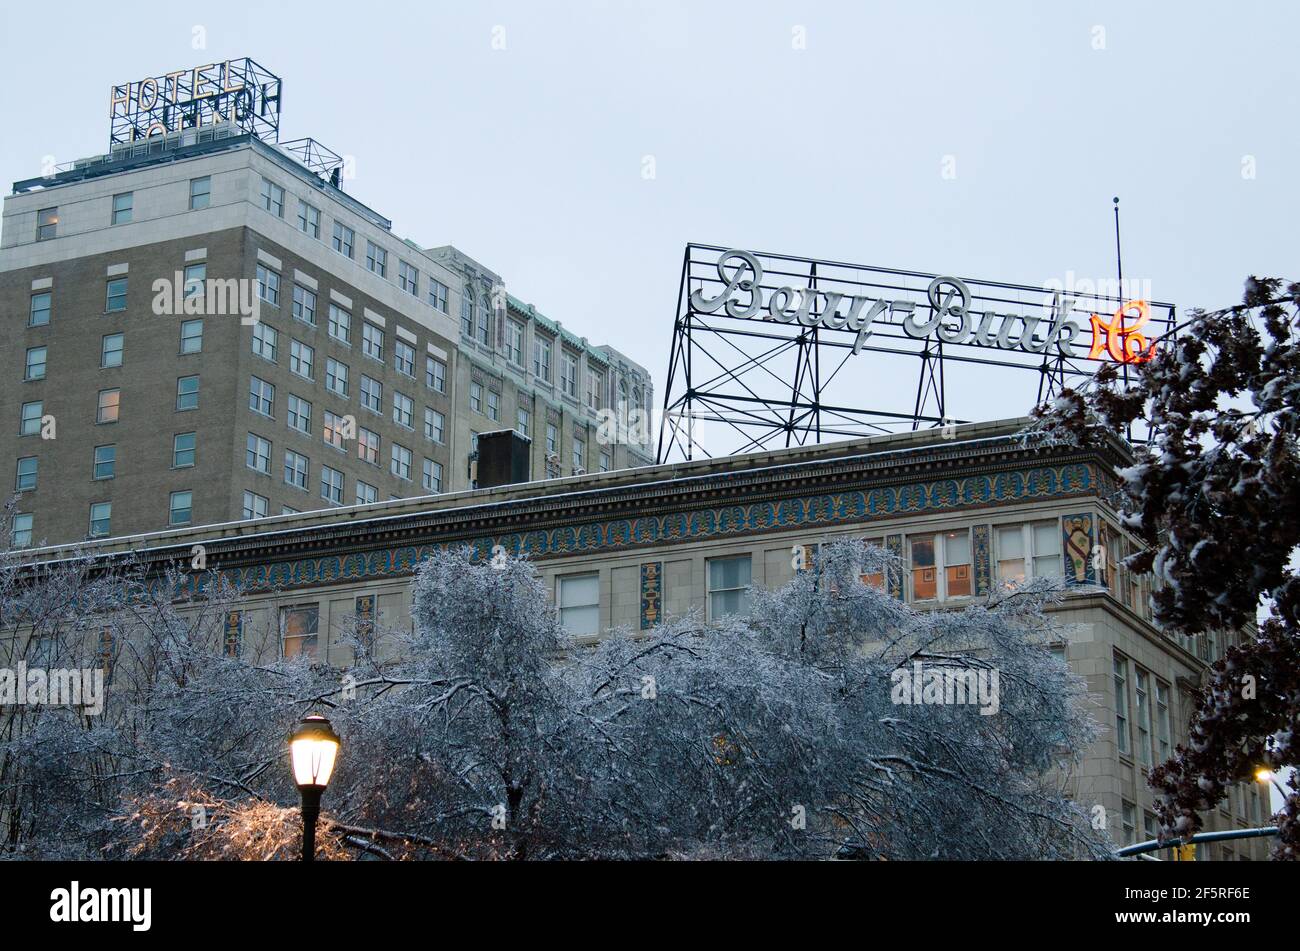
237,91
773,350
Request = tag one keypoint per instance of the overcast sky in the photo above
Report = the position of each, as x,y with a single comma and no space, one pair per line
819,129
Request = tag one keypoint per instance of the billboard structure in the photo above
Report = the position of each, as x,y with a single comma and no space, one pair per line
772,350
237,91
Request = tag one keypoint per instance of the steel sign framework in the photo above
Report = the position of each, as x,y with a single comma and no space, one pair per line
773,350
237,90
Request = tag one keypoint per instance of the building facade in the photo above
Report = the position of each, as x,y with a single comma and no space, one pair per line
964,511
202,329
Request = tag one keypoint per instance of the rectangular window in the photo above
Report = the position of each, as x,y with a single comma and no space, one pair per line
484,322
26,478
31,418
180,508
579,456
401,462
299,626
593,389
122,207
257,454
940,565
376,259
1128,818
115,296
105,462
366,493
39,313
435,375
605,461
372,394
331,485
578,600
187,396
304,304
493,404
22,533
101,519
335,428
438,295
254,505
47,224
729,580
273,198
514,342
309,220
1164,748
372,341
191,336
1028,551
523,419
302,359
403,410
295,469
268,285
336,377
467,313
183,445
195,276
435,424
1141,690
368,446
404,358
569,374
299,415
476,397
107,404
432,476
261,396
110,351
541,358
340,324
34,367
552,438
1121,703
200,192
343,239
265,341
408,278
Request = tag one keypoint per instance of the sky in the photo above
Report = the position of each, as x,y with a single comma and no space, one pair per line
575,147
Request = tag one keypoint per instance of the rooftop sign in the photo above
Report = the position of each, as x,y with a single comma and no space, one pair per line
237,91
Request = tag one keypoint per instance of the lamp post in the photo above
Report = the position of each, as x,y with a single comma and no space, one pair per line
313,747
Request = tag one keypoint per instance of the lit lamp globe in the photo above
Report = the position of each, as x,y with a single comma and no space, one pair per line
313,749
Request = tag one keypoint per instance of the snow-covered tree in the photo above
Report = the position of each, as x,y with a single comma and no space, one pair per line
1215,495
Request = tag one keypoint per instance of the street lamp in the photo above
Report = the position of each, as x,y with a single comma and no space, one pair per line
313,747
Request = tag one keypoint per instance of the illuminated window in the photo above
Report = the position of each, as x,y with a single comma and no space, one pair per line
940,565
47,224
299,626
107,405
1027,551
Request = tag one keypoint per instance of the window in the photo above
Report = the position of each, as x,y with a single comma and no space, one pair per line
47,223
335,427
299,416
1121,703
122,206
408,278
376,259
257,454
22,533
191,336
728,585
183,450
523,419
261,396
200,192
605,461
104,462
493,404
336,377
403,410
187,396
195,276
295,469
541,358
366,493
110,351
301,359
485,310
438,295
578,600
401,462
467,313
1163,747
941,565
432,476
273,198
579,456
593,389
34,368
1141,689
180,508
331,485
1028,551
265,341
552,438
304,304
372,394
26,478
514,342
39,313
268,285
107,404
31,418
254,505
1128,815
435,374
298,629
309,220
340,324
343,239
476,397
368,446
569,374
101,519
115,296
372,341
435,424
404,358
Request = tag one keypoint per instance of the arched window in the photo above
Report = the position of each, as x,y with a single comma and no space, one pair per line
485,321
